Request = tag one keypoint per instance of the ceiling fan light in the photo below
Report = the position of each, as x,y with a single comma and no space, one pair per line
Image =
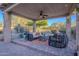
40,17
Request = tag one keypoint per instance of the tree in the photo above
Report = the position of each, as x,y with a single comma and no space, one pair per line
53,24
29,23
42,23
0,24
59,26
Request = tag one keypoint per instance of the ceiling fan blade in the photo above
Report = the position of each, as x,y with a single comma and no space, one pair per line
45,16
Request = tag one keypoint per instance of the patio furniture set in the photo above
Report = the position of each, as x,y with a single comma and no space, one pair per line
58,40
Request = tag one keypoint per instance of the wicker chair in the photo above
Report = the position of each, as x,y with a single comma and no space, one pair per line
58,41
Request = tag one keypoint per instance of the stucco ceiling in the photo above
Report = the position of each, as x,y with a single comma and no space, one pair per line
32,10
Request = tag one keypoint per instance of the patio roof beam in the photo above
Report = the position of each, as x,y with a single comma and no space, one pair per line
11,7
0,4
71,9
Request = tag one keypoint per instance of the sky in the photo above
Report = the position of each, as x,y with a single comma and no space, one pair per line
1,16
61,19
56,20
50,20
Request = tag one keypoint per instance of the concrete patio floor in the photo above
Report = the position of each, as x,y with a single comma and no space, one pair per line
10,49
52,51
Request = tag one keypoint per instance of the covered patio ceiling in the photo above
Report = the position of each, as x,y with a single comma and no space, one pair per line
77,5
35,11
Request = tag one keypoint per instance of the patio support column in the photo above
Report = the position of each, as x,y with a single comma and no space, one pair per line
7,27
68,26
34,26
77,29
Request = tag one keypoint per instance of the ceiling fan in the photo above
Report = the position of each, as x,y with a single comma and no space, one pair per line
42,15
